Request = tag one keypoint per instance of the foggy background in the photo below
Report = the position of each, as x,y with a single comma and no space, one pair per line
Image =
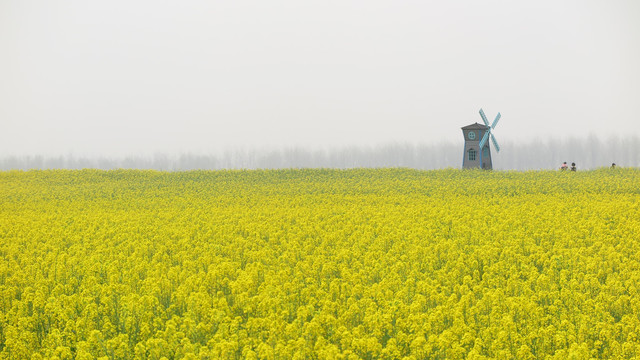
590,153
284,83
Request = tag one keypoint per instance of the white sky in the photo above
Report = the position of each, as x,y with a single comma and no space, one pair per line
129,77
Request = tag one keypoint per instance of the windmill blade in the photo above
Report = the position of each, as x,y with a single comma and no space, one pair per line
495,143
484,139
484,117
495,122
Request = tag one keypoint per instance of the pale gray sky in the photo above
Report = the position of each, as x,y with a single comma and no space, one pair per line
113,78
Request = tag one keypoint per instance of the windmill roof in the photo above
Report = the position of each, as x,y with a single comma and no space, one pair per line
475,126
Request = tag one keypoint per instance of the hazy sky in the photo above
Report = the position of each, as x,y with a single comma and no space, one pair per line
140,77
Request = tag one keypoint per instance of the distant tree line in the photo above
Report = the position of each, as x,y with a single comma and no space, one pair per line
587,153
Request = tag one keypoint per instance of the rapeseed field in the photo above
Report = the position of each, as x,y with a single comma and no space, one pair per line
320,264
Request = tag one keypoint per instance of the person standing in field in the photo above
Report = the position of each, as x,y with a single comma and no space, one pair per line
564,166
573,166
613,166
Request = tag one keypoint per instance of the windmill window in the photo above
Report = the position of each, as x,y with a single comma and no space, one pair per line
472,154
485,152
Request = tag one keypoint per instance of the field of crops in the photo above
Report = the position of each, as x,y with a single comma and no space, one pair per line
327,264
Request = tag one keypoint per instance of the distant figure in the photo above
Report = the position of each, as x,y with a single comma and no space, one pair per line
613,166
573,166
564,166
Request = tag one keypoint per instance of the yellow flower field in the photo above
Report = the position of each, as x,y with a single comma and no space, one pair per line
320,264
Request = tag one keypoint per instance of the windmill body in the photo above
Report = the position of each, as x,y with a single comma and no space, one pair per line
473,156
477,151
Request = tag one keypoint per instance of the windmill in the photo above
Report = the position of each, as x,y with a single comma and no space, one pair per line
477,152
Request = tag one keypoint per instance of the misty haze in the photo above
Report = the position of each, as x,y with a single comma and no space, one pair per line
587,153
253,84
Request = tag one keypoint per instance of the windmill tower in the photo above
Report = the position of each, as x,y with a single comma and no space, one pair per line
477,152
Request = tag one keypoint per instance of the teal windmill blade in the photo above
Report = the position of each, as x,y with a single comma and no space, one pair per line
495,143
484,139
495,122
484,117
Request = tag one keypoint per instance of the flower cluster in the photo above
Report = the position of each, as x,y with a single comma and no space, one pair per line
319,264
